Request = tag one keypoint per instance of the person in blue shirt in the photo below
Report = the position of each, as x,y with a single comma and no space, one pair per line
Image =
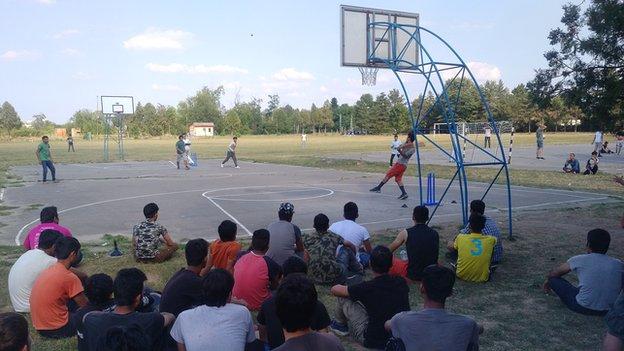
572,164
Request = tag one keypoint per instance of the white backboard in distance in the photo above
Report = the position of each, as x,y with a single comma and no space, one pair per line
117,104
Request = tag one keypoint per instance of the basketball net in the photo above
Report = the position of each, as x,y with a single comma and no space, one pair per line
369,75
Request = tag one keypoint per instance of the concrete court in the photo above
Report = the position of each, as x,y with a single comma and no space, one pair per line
95,199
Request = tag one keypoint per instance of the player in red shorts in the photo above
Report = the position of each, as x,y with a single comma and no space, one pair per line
406,150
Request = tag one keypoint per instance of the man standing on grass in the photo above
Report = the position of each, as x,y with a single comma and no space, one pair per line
181,152
231,153
406,150
598,142
539,138
70,144
488,137
44,156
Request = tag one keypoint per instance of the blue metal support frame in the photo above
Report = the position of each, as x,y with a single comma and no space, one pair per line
431,70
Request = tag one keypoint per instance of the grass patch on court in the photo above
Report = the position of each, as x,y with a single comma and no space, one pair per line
513,309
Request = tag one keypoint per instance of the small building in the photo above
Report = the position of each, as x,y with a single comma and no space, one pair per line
202,129
60,132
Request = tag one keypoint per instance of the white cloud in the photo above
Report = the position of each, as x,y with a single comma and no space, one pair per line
159,39
194,69
47,2
292,74
323,88
166,87
72,52
83,76
484,71
65,33
14,55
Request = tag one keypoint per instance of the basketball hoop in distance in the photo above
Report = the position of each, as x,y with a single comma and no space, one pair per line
369,75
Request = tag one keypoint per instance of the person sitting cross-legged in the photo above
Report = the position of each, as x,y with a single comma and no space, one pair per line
352,232
433,327
128,290
49,219
223,251
322,246
255,274
362,309
269,326
296,304
422,246
151,241
474,251
14,332
490,228
27,268
57,293
217,324
599,276
572,164
99,292
285,236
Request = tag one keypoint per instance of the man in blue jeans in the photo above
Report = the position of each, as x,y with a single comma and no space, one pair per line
599,276
45,158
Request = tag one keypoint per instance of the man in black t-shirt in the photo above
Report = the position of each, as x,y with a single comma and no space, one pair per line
99,292
128,288
363,308
269,325
421,243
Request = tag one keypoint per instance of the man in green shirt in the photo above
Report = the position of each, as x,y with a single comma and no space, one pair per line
181,153
539,138
45,158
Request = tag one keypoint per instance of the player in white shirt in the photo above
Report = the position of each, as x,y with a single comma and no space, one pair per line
394,146
231,153
598,142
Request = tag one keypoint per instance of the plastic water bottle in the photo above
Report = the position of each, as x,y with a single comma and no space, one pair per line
403,255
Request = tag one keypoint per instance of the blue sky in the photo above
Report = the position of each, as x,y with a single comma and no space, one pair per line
57,56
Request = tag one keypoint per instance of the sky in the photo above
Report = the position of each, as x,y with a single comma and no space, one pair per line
59,56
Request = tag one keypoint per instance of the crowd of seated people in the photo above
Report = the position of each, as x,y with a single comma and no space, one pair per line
210,303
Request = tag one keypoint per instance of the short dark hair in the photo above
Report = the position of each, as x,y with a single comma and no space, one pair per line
48,214
294,264
438,282
47,238
321,222
99,288
64,246
477,206
420,214
477,222
350,211
235,138
217,286
13,331
598,240
180,136
410,135
150,210
295,302
594,153
227,230
381,259
260,240
126,338
128,285
195,252
44,137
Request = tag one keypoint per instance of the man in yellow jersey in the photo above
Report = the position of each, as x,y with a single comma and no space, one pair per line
474,252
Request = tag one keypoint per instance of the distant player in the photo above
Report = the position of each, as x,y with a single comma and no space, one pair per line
181,152
44,155
70,144
304,139
394,146
231,153
488,137
597,142
539,138
406,150
187,148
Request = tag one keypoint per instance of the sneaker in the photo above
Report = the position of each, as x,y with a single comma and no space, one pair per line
339,328
222,165
403,197
375,190
237,167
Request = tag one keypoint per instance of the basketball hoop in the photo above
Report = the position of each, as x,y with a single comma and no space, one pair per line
369,75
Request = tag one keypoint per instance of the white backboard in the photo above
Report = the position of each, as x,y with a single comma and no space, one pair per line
366,45
115,104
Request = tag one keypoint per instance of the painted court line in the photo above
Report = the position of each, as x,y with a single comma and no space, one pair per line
2,194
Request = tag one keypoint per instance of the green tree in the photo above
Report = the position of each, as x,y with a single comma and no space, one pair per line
88,121
231,123
9,119
364,112
204,106
399,120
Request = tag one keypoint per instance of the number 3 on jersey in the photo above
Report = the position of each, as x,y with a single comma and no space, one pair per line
478,247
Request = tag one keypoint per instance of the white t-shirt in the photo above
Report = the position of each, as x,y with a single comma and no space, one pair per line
598,137
395,146
205,328
488,132
23,274
350,231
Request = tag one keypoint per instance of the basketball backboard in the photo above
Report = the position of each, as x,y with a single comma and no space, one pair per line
368,41
117,105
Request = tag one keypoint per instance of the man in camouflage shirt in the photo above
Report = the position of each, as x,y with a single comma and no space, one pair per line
151,240
322,246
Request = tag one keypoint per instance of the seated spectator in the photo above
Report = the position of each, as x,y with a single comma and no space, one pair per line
572,164
54,289
474,251
353,233
433,328
599,276
128,290
269,326
151,241
223,251
285,236
614,338
130,338
322,247
255,274
26,269
14,332
491,229
421,243
605,148
218,324
296,304
591,167
184,289
619,142
362,309
99,292
49,220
